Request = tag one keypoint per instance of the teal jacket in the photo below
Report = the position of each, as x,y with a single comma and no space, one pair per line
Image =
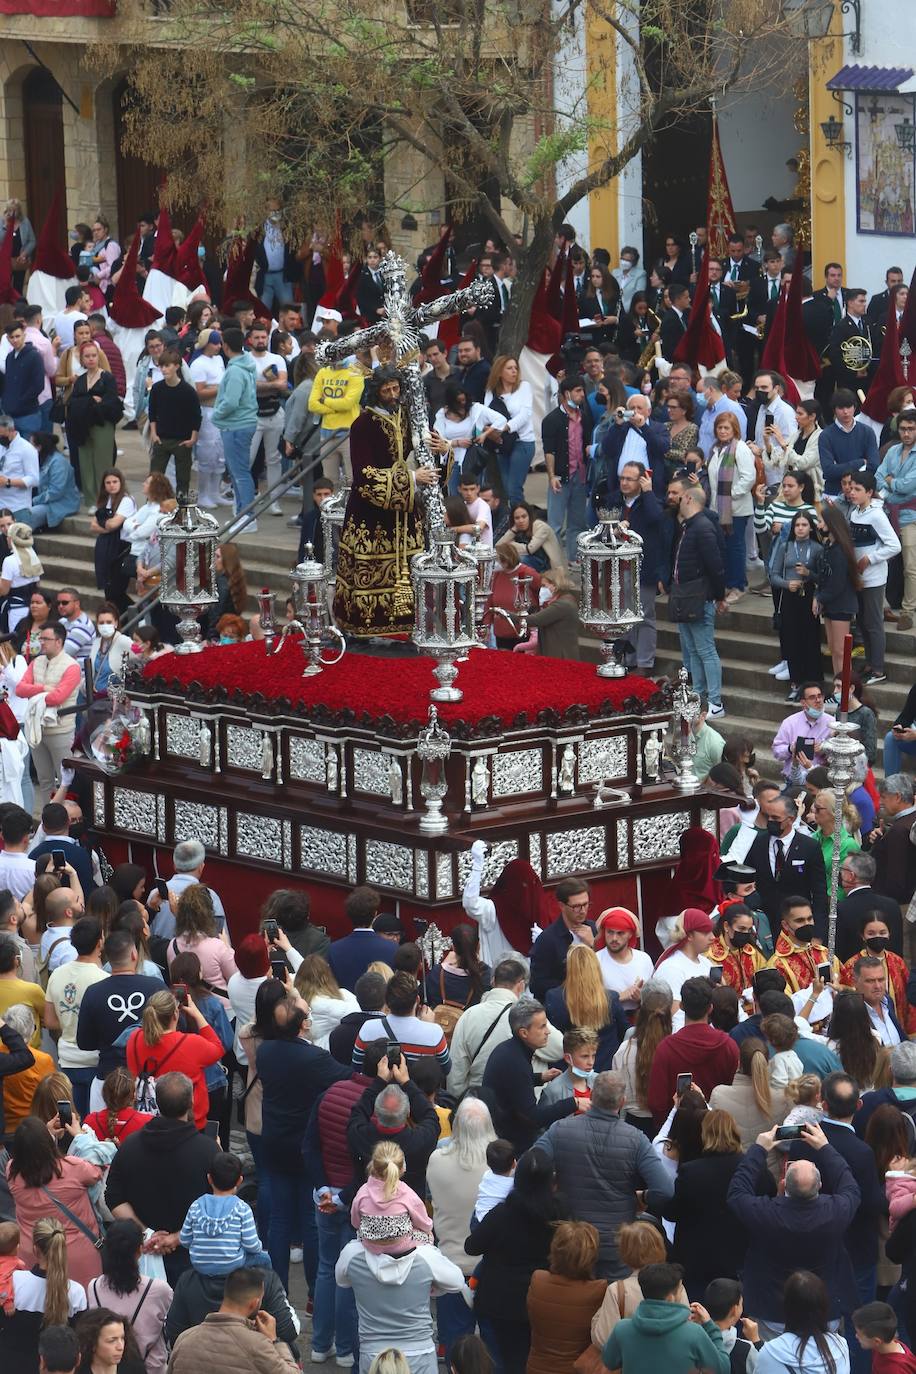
660,1338
236,405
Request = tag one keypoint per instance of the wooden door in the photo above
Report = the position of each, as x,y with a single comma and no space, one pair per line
44,149
138,181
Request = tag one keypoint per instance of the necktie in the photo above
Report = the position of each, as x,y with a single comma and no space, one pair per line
774,290
779,859
837,310
715,294
505,294
734,272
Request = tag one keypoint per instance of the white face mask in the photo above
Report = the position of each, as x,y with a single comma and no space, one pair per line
626,265
544,594
106,631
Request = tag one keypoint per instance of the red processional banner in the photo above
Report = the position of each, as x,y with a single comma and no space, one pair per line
60,9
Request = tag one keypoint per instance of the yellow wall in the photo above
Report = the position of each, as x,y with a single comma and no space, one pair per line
828,198
601,57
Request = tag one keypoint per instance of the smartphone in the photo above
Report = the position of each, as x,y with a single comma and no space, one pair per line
715,975
684,1083
278,969
788,1133
58,858
162,888
271,931
63,879
180,993
823,972
394,1054
898,729
64,1113
768,417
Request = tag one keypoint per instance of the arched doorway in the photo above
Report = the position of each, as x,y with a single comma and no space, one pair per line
138,181
43,121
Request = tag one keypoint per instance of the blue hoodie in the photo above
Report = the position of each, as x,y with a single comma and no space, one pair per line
236,405
219,1232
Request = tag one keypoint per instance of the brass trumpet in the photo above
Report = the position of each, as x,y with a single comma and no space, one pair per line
648,353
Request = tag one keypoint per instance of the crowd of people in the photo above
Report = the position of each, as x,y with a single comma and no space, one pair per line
536,1146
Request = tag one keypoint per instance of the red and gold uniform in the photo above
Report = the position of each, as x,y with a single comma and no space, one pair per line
798,964
896,971
738,965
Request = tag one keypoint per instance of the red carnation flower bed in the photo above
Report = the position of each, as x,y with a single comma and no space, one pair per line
501,689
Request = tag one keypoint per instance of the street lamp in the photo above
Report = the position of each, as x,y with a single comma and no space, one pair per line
812,19
832,130
906,135
610,556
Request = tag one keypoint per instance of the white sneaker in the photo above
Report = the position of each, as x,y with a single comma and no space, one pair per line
275,509
783,674
295,1257
322,1356
777,668
344,1361
716,709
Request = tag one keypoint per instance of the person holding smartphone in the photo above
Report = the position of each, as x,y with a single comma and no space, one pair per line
709,1055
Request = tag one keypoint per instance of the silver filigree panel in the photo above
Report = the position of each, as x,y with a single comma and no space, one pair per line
197,821
623,844
160,818
98,804
521,770
390,865
534,852
421,873
708,821
223,830
135,811
306,759
370,772
445,882
603,759
323,851
259,837
581,850
287,844
658,837
243,748
182,736
499,855
351,858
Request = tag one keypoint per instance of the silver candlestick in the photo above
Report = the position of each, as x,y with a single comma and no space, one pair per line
684,715
843,753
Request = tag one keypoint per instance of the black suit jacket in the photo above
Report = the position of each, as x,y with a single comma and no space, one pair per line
861,1239
877,308
896,860
759,297
748,270
672,331
548,958
839,335
819,319
851,912
802,875
369,296
724,309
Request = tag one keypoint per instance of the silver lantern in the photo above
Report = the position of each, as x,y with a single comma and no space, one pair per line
434,745
843,753
332,513
312,615
444,579
484,556
610,557
188,538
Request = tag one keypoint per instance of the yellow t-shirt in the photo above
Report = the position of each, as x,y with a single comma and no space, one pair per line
15,991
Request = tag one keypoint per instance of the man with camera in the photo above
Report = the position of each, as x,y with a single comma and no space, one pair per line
633,438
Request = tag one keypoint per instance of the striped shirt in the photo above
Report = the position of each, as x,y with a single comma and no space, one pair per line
417,1038
218,1233
80,634
780,512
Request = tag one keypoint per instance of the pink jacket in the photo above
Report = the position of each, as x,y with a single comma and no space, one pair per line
901,1194
405,1214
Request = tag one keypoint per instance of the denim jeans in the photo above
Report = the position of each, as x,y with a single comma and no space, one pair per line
894,749
292,1215
453,1319
262,1218
237,451
515,469
334,1312
569,504
866,1280
80,1082
275,291
701,658
736,553
28,425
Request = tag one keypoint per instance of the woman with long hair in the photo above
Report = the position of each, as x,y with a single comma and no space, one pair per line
514,1240
676,260
837,582
807,1342
464,423
196,932
107,1344
735,947
459,519
639,1243
460,977
535,542
800,451
453,1177
634,1057
231,587
563,1299
117,1118
582,1000
138,528
40,609
750,1099
680,1139
42,1296
185,971
113,505
269,993
557,621
732,475
708,1241
19,574
94,410
469,1355
794,570
600,303
500,608
158,1047
683,434
329,1002
39,1176
888,1134
510,396
128,882
123,1290
853,1040
133,916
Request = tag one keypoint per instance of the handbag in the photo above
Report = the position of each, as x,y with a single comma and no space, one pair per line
508,441
474,463
687,601
777,614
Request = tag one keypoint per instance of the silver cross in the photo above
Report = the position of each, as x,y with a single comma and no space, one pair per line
403,325
905,354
